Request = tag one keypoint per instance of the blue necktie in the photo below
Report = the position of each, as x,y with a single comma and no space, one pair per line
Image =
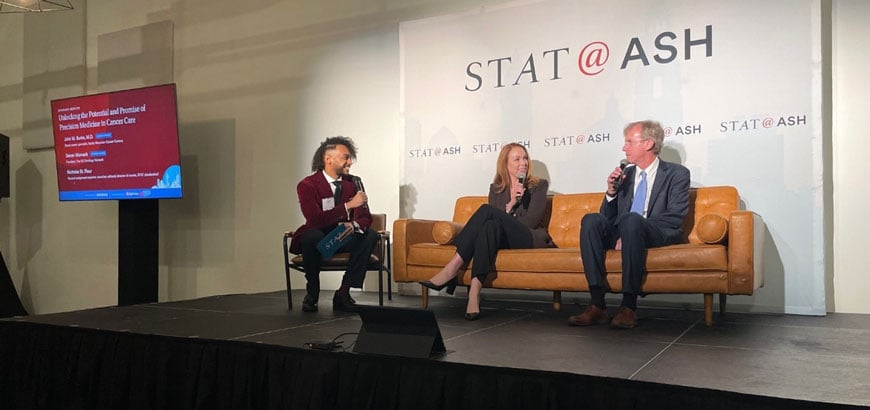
639,195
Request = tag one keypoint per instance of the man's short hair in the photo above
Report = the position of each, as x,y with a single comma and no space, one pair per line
328,144
649,130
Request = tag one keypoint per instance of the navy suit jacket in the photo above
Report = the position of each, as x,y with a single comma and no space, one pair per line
311,192
668,203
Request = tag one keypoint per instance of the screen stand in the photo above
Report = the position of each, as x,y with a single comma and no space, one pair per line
138,233
10,304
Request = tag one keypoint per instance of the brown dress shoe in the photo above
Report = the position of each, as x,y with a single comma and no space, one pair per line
593,315
625,319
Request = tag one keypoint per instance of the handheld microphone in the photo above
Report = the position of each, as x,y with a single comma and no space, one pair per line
357,182
618,182
522,180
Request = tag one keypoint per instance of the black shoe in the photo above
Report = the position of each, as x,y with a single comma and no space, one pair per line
451,286
342,302
472,316
309,304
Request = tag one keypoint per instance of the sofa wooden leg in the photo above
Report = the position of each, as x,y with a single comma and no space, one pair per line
722,298
557,300
425,295
708,309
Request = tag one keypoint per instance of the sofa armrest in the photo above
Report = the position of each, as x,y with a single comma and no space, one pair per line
407,232
745,250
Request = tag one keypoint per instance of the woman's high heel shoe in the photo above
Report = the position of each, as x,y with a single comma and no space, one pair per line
450,285
472,316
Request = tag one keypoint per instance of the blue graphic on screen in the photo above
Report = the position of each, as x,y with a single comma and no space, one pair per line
168,186
171,178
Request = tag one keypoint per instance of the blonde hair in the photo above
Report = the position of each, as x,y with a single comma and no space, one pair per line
649,130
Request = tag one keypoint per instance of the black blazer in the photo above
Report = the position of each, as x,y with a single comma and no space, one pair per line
530,212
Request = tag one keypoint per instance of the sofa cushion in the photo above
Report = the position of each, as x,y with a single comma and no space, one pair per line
444,231
676,258
721,200
712,228
567,211
466,206
673,258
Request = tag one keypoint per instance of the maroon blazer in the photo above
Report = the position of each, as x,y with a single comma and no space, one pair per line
311,192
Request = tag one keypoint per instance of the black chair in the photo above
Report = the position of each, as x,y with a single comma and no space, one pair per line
339,261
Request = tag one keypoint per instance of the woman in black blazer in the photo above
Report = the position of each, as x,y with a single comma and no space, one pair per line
512,219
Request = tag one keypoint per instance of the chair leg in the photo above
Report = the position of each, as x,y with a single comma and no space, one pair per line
722,298
425,297
557,300
287,274
289,291
381,285
389,272
389,284
708,309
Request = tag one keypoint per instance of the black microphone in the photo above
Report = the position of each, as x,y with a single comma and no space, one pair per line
522,180
357,182
618,181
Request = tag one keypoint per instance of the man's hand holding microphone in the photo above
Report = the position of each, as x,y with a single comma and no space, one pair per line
615,179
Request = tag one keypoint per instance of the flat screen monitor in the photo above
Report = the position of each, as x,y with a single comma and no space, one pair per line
398,331
118,145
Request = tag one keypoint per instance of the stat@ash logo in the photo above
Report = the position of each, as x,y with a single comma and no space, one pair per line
682,129
578,139
587,57
431,152
495,147
763,122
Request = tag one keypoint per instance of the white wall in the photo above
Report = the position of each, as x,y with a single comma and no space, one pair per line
851,88
260,84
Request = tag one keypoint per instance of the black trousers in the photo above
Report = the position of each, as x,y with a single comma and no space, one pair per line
597,235
360,247
487,231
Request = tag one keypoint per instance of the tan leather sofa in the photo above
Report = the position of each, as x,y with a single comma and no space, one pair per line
723,253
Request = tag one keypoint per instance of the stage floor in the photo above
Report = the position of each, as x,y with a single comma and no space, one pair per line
822,359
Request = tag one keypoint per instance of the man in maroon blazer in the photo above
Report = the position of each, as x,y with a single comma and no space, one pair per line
329,197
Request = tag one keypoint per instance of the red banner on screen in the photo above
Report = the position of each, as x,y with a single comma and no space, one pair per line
119,145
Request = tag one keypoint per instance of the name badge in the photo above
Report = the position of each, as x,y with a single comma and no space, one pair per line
328,203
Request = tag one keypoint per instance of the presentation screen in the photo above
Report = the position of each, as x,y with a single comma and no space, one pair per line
118,145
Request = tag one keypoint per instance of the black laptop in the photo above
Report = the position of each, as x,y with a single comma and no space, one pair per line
398,331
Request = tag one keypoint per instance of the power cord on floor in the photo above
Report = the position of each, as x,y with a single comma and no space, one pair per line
331,345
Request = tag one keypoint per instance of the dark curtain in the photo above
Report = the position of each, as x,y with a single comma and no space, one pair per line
54,367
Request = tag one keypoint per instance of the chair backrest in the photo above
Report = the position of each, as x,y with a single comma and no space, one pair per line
379,224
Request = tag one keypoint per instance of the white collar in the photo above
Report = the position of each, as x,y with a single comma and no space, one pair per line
653,166
329,179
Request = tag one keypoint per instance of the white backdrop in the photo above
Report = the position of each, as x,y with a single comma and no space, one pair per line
737,86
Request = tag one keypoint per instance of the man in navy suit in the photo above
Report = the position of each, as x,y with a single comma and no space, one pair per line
644,207
329,198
